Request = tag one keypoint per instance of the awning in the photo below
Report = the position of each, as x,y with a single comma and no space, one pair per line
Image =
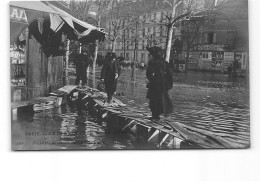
85,33
22,13
33,5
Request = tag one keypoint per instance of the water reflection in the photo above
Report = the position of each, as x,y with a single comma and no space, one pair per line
67,127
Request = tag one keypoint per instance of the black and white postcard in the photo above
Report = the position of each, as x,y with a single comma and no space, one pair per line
129,74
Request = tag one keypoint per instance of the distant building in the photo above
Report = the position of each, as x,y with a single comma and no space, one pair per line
131,42
214,48
219,45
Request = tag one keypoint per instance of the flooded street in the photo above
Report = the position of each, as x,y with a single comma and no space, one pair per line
206,101
211,102
66,127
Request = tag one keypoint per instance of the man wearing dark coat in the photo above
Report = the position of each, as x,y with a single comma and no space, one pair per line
82,61
160,79
109,74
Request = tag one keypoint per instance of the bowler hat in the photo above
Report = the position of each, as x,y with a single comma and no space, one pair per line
155,51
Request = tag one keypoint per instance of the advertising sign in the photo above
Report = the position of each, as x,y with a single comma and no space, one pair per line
18,15
229,56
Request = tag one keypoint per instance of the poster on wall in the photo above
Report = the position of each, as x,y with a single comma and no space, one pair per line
140,102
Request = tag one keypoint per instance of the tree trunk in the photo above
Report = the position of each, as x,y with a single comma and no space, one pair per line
95,58
169,44
114,45
170,33
187,58
96,51
67,63
135,53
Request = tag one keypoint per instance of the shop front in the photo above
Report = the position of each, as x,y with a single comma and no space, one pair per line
31,68
38,36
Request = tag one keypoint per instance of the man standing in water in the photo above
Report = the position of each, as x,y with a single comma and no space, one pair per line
160,80
110,74
82,61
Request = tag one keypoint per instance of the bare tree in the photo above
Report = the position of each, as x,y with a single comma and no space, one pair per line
199,19
120,18
91,11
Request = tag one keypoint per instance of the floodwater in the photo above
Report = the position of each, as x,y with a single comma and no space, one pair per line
208,101
66,127
212,102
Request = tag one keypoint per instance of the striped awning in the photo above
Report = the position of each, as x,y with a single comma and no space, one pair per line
33,5
84,32
23,12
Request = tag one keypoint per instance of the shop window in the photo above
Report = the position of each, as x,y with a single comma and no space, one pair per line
18,65
204,55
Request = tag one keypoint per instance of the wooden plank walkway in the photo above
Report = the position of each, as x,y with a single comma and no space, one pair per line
44,103
160,131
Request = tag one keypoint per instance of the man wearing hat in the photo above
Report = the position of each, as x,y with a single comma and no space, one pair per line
109,74
82,61
160,80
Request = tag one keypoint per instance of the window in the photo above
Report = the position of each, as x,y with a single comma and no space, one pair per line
142,57
210,38
132,33
144,19
154,31
161,31
143,32
127,56
127,44
162,16
154,17
143,45
206,55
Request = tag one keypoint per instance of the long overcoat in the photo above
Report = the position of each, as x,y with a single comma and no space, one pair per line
108,73
160,79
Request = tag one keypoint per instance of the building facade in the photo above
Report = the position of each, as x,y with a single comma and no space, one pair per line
131,42
215,47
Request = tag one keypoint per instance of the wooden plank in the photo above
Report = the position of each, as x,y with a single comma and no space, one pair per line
15,105
64,90
194,138
211,135
119,102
